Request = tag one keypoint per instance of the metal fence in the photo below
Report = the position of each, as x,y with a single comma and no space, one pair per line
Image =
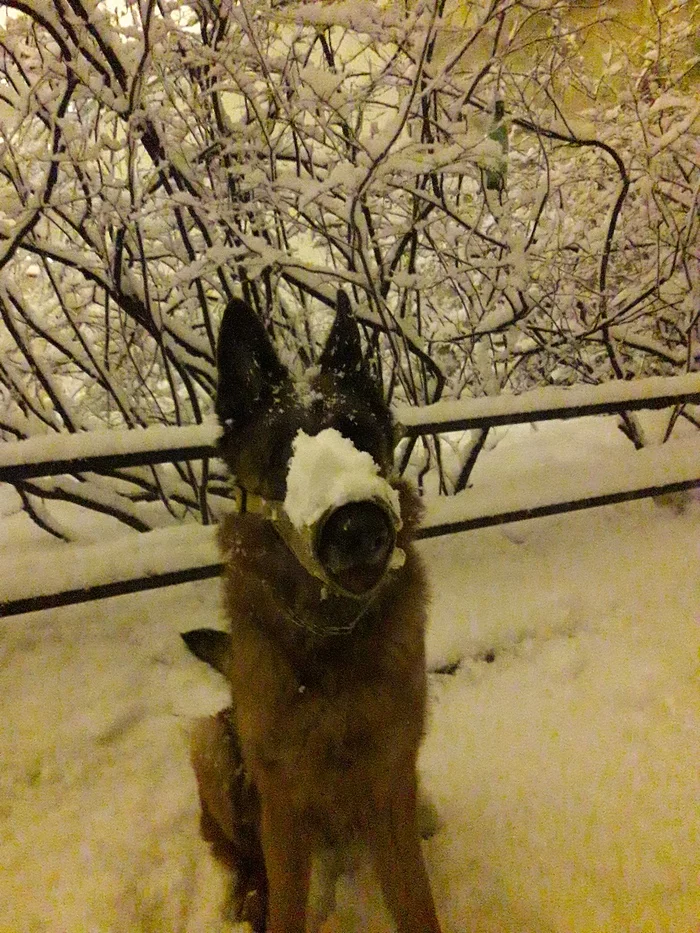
661,470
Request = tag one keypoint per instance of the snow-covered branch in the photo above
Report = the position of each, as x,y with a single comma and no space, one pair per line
506,211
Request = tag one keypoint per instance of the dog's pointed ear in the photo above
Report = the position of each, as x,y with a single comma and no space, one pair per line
342,354
249,369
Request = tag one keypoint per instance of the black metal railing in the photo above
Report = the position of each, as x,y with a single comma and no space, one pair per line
666,469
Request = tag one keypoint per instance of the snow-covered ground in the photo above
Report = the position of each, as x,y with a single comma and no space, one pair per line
563,754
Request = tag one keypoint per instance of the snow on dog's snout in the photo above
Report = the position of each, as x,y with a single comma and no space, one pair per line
327,471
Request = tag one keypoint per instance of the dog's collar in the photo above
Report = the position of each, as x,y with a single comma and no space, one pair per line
326,629
252,504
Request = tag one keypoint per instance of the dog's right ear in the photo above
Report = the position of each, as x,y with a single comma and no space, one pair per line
342,355
249,370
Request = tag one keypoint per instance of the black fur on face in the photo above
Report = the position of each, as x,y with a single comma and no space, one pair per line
261,411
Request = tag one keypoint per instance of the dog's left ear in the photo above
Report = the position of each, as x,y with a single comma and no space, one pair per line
342,354
248,367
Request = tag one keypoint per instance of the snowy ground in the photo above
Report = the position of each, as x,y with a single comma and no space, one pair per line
563,755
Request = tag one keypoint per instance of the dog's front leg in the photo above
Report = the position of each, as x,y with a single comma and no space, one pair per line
287,852
396,849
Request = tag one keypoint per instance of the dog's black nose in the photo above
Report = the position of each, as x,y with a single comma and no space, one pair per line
355,544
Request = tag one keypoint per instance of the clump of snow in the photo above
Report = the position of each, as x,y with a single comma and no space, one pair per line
327,471
304,385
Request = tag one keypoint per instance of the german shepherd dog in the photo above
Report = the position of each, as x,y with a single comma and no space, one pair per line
325,656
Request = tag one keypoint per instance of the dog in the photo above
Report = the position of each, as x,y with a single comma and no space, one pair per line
325,656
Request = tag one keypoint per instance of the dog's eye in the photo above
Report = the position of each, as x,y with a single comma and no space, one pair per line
361,436
349,428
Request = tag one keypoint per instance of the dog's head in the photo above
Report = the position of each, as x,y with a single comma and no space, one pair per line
266,415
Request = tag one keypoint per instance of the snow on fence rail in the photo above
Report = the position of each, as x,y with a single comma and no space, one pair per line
635,474
551,404
180,554
105,451
138,561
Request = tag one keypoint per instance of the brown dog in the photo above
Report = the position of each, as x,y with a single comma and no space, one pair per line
325,656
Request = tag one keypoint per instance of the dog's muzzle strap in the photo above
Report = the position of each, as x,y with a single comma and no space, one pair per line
302,545
302,542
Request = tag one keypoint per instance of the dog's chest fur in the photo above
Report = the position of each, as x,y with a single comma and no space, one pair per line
331,717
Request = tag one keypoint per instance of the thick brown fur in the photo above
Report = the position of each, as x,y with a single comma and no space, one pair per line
319,746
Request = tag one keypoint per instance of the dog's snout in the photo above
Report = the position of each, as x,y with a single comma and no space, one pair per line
355,544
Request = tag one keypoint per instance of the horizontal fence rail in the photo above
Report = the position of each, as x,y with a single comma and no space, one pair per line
85,594
180,554
138,561
106,451
635,474
550,404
